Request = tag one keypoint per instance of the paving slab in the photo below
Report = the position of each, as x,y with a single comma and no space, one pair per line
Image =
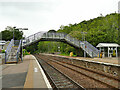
14,75
36,77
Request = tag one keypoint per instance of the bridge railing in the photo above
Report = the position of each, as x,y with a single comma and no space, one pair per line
18,50
87,49
8,50
80,44
33,38
69,39
54,35
95,50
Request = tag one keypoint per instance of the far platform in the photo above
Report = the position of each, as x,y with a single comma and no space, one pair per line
112,60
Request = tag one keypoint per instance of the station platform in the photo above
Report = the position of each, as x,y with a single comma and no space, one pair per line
26,74
111,60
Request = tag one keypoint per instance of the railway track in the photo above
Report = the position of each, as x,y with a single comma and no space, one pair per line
101,78
57,78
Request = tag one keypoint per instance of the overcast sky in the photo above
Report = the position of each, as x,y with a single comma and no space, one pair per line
44,15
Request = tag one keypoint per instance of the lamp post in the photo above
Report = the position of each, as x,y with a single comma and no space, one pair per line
14,28
13,31
83,35
22,42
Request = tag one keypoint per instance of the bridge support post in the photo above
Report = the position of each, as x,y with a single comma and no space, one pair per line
21,52
34,36
84,54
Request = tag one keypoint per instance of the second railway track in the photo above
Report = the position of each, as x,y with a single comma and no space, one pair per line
103,79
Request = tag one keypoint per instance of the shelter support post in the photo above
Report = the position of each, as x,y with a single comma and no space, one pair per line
100,49
116,52
84,54
108,51
103,52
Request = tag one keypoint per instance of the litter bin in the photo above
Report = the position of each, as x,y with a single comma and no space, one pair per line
101,54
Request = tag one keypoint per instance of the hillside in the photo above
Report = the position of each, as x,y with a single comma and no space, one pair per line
100,29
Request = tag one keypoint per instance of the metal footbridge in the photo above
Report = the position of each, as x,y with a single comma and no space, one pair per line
14,50
45,36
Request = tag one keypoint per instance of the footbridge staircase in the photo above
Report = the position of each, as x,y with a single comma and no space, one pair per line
14,51
45,36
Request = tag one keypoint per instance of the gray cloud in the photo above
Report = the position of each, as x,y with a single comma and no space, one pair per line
50,14
30,6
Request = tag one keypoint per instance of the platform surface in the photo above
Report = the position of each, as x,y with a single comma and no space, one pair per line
112,60
26,74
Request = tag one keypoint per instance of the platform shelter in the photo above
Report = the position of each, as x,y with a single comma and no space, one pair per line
108,49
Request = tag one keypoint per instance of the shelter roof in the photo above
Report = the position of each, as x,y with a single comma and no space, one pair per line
108,45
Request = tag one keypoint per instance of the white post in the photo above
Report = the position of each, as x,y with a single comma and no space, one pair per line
84,54
108,51
103,52
100,49
116,52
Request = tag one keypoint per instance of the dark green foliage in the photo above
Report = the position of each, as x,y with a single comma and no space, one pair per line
51,31
25,52
100,29
7,34
3,51
32,48
48,47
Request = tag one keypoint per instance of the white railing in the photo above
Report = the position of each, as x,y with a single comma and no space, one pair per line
95,50
32,38
18,50
8,50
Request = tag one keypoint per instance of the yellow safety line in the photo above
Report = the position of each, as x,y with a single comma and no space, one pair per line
29,78
14,46
11,62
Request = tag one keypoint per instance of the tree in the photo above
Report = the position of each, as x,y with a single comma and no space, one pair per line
7,34
51,31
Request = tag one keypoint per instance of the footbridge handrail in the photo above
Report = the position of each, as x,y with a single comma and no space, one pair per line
8,50
18,50
95,50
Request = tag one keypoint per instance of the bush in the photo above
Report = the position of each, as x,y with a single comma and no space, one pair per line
25,52
3,51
